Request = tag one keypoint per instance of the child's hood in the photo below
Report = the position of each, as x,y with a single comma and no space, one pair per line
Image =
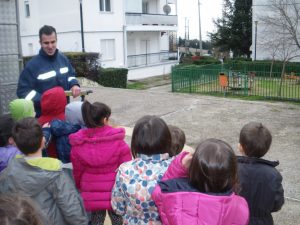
97,135
53,103
74,114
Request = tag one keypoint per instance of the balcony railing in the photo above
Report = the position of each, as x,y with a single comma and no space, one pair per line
151,19
151,58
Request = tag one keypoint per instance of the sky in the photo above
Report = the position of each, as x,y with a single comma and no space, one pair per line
209,10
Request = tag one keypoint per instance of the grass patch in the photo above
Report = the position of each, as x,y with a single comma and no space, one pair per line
137,86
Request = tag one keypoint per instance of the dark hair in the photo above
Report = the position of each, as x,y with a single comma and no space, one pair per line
213,167
150,136
178,140
47,30
6,126
94,114
255,139
28,135
18,210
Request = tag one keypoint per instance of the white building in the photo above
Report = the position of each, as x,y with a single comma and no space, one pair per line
134,34
271,36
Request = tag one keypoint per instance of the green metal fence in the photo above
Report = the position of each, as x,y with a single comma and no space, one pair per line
240,82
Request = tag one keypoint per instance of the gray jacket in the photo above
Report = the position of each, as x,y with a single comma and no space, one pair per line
46,182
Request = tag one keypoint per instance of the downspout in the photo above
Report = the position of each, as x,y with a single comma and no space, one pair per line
124,36
20,54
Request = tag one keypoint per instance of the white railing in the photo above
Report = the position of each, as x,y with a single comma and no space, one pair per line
150,19
150,58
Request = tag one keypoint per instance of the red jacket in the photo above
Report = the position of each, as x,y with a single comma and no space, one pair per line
180,203
96,154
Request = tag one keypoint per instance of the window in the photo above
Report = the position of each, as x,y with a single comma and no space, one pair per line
105,5
27,8
108,49
145,7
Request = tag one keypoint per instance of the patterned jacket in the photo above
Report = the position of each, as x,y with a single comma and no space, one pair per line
135,181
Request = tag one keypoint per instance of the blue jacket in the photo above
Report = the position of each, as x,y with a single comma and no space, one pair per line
261,186
42,73
61,131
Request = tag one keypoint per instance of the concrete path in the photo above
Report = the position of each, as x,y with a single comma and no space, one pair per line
204,117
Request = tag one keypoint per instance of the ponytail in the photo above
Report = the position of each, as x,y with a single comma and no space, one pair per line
94,114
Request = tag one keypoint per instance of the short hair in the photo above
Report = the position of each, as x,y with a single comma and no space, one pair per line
47,30
94,114
28,135
213,167
150,136
19,210
255,139
6,126
178,139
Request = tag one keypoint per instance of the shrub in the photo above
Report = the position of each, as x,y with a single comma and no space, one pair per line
113,77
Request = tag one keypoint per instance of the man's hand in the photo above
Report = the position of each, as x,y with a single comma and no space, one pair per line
75,91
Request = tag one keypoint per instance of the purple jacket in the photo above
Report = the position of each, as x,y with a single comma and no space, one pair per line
180,203
6,153
96,154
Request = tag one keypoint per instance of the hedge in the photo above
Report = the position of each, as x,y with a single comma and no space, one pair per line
113,77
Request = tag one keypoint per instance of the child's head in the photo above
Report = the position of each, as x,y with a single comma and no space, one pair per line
28,135
178,139
255,140
96,114
18,210
6,126
53,104
74,113
213,167
150,136
21,108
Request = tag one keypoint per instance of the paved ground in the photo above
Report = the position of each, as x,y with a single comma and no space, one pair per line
203,117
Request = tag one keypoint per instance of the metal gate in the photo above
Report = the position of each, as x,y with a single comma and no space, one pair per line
10,52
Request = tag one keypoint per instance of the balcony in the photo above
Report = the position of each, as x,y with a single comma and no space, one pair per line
151,58
150,19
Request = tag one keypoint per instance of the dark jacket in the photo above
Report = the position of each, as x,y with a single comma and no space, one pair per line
61,130
44,72
261,186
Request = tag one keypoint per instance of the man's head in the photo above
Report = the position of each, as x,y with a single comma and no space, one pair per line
28,135
48,39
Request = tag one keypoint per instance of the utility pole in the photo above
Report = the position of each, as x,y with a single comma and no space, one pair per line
200,37
256,22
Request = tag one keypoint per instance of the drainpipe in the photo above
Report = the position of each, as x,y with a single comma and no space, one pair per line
81,26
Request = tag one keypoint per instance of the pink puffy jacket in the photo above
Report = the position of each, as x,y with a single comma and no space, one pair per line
96,154
187,206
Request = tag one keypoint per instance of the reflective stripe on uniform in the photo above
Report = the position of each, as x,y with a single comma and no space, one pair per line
31,95
71,78
64,70
45,76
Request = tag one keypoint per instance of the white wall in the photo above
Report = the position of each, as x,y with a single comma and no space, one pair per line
154,70
133,6
134,42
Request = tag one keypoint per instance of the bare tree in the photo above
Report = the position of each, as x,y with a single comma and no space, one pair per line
281,32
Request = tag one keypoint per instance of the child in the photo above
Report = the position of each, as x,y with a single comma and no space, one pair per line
178,139
199,188
96,153
16,209
261,183
53,104
7,148
135,181
61,129
21,108
42,179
